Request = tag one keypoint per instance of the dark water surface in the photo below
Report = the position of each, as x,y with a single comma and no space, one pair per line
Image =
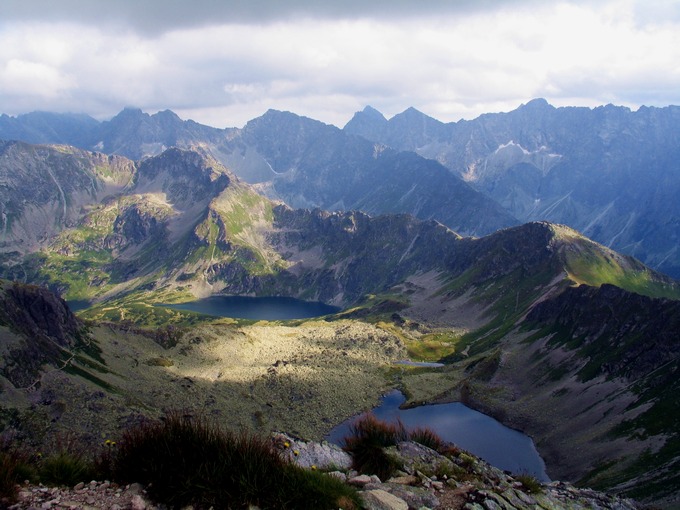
500,446
257,308
76,305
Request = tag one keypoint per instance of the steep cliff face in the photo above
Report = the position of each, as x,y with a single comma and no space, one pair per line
49,188
343,256
37,329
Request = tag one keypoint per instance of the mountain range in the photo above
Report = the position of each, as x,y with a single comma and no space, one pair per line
551,332
609,172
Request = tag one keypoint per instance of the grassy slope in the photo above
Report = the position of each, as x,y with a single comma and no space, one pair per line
481,361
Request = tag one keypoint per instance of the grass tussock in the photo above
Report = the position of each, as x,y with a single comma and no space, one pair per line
369,436
427,437
66,468
15,467
189,461
530,483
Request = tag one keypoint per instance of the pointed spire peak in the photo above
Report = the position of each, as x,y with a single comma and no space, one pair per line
369,110
367,120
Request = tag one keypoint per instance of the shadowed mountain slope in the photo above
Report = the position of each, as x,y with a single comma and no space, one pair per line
298,160
609,172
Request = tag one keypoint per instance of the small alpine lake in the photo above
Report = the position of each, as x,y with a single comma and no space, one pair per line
268,308
500,446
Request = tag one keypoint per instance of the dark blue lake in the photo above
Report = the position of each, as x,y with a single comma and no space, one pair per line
78,304
500,446
258,308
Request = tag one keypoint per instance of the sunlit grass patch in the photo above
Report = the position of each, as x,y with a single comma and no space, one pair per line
432,347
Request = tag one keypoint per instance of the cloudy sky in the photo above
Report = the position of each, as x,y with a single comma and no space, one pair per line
224,62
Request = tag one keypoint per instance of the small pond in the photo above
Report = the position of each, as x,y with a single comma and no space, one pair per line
257,308
75,305
503,447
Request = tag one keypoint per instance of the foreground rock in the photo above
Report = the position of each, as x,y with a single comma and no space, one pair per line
425,480
457,480
92,496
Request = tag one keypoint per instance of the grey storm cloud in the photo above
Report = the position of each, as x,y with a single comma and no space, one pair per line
159,16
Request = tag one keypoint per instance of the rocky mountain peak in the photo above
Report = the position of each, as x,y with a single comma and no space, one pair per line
168,116
130,112
366,121
537,104
283,120
372,112
186,177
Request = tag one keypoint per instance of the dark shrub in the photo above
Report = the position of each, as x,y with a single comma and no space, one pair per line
15,467
65,468
8,479
530,483
368,436
189,461
428,438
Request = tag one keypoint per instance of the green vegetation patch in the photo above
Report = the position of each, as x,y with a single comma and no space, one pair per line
432,346
510,295
73,369
142,312
593,267
82,276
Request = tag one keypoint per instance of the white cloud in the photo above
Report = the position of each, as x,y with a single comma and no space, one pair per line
21,77
328,64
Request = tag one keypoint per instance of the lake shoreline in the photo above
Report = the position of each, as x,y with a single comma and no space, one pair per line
506,448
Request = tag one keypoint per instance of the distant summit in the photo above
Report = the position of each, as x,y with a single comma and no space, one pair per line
368,120
607,171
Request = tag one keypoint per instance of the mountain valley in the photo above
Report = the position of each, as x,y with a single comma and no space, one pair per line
549,331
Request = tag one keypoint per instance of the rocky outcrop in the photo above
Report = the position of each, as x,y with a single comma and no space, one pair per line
186,178
36,312
43,327
456,480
